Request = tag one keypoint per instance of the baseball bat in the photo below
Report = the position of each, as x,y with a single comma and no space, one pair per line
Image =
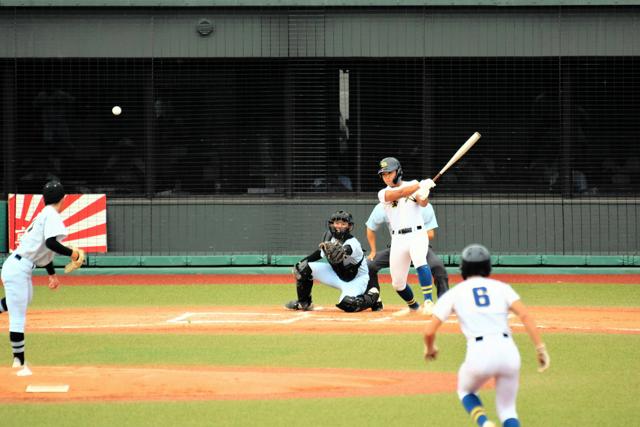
461,152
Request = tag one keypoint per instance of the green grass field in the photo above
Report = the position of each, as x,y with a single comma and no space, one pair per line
593,379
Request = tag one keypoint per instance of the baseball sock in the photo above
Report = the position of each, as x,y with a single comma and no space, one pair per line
426,282
474,407
407,295
17,343
511,422
3,305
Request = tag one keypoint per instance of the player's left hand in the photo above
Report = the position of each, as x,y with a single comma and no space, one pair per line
54,283
77,259
423,194
427,184
430,354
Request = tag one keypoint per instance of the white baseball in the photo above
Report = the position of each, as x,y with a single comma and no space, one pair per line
116,110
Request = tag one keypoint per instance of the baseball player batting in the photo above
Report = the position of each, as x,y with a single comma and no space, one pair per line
377,260
36,249
402,201
482,306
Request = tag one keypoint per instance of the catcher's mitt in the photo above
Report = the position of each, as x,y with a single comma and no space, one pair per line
334,252
74,265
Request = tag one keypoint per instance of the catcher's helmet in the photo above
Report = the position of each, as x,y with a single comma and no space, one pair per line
390,164
341,216
53,192
475,261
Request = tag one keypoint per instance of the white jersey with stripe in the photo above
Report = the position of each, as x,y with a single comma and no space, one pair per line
404,212
481,304
33,246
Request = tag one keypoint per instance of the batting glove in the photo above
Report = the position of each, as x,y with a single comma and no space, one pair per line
427,184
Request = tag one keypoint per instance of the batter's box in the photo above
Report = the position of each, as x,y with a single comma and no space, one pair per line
242,317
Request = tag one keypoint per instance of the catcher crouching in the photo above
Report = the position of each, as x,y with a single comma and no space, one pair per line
345,270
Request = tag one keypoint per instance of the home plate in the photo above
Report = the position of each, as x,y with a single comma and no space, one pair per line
32,388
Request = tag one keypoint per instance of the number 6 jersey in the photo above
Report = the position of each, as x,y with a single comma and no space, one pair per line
481,304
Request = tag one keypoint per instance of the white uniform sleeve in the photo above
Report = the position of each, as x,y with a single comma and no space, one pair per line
377,218
381,195
444,306
510,295
54,227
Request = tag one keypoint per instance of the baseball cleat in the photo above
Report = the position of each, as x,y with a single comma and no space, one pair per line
378,306
427,310
24,372
297,305
16,363
407,312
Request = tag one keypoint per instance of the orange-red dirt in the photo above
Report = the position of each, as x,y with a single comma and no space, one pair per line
153,383
157,383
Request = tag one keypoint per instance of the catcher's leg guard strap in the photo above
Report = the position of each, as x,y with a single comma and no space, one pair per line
303,288
302,271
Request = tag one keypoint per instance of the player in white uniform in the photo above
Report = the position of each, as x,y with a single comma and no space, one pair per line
350,275
482,306
377,260
402,201
36,249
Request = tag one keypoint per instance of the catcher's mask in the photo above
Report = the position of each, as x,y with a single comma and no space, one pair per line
390,164
475,261
341,216
52,192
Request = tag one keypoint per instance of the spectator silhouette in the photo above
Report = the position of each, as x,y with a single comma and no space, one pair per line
54,107
125,168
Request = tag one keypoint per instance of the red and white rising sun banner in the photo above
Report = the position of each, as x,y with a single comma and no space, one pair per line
84,215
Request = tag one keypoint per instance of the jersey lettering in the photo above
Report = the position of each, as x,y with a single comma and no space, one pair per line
480,296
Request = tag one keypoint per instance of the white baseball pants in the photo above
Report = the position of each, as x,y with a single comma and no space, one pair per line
406,248
496,357
18,290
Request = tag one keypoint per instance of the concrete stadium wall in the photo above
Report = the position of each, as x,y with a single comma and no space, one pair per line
320,32
272,227
526,226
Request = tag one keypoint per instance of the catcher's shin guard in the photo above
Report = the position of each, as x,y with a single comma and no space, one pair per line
303,289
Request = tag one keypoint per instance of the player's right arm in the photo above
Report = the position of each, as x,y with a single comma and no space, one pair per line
371,238
391,195
520,310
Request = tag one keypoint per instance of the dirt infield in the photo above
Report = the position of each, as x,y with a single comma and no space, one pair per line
170,383
281,279
276,320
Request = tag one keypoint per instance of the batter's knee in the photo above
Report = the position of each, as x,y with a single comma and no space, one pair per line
399,286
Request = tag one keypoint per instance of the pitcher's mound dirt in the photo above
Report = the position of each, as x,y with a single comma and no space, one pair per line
106,383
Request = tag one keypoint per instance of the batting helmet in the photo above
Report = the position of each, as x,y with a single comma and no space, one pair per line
475,261
390,164
341,216
52,192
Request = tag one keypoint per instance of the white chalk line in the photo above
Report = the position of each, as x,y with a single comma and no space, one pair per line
288,317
